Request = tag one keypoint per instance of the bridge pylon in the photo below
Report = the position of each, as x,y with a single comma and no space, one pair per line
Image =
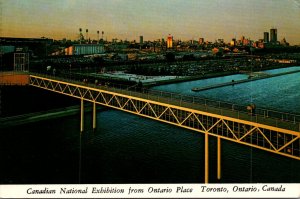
81,115
94,116
219,159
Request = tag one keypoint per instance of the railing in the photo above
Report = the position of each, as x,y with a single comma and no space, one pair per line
221,107
284,116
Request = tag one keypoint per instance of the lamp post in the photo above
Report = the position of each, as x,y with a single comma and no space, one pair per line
87,33
80,35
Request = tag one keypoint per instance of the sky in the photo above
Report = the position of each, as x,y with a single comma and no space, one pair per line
154,19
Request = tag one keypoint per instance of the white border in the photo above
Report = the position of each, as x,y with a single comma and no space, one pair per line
151,191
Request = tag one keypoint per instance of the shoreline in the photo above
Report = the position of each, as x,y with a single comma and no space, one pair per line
196,89
205,76
33,117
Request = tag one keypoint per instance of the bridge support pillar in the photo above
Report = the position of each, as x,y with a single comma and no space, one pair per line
81,116
94,115
206,168
219,158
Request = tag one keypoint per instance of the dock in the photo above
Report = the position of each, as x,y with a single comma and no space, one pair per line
259,76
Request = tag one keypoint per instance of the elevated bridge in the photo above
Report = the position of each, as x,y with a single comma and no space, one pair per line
279,136
247,131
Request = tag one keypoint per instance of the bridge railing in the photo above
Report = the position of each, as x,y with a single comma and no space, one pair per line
284,116
220,107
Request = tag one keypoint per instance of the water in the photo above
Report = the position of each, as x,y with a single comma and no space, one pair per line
282,70
130,149
277,93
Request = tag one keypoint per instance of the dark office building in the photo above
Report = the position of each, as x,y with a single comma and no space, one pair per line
38,46
266,37
24,41
141,40
273,34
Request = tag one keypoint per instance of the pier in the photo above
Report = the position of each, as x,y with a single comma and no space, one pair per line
257,76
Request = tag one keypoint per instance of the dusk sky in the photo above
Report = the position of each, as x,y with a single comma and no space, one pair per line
154,19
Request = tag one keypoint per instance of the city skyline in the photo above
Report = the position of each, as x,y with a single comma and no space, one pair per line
127,20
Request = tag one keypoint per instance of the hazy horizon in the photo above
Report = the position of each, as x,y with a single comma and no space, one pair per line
155,19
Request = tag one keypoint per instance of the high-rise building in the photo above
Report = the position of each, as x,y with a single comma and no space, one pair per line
284,42
266,37
273,35
201,41
233,42
169,41
242,39
246,42
220,41
141,40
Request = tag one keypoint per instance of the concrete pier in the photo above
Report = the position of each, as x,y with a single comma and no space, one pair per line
242,81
